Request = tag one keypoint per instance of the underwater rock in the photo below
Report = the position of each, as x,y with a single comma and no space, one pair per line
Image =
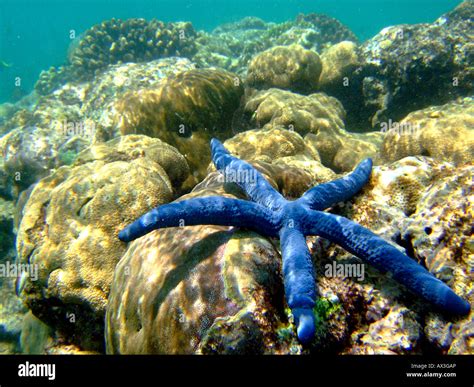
441,235
443,132
35,335
12,311
285,67
320,119
70,224
410,67
7,237
398,332
204,289
186,111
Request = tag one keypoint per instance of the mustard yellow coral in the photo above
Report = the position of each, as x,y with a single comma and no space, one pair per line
338,61
285,67
70,225
318,117
283,157
185,110
444,132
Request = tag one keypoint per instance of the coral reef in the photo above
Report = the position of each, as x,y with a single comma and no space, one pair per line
122,127
338,63
441,235
205,289
331,31
110,87
285,67
68,233
185,111
431,189
11,315
270,214
52,79
398,332
443,132
58,126
30,153
320,119
117,41
233,45
35,335
282,156
132,40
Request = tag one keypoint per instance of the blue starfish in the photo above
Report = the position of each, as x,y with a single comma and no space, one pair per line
270,214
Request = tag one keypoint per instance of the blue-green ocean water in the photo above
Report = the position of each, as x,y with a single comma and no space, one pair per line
34,34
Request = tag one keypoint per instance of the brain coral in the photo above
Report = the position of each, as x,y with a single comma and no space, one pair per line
285,67
204,289
185,110
444,132
320,119
70,224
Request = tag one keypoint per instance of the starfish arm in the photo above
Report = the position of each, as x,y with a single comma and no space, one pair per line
215,210
385,257
247,177
299,280
326,195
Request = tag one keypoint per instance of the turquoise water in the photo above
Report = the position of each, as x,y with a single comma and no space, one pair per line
34,35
